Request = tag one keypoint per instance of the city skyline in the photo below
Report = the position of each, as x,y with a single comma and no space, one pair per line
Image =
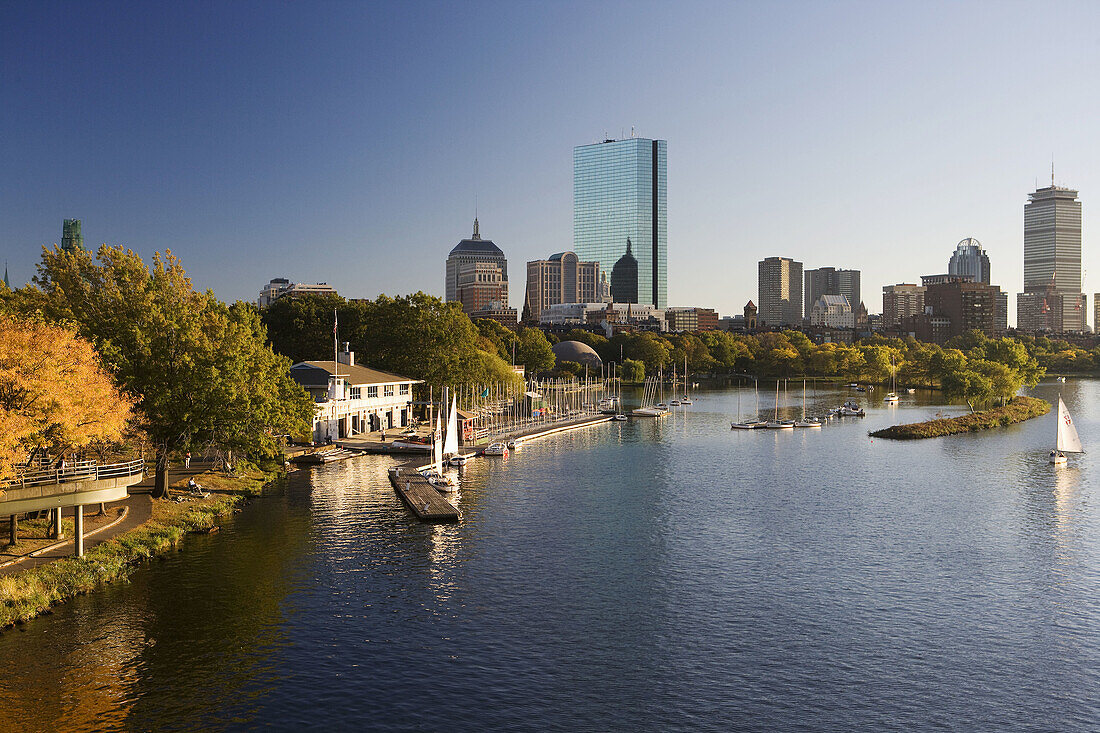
162,148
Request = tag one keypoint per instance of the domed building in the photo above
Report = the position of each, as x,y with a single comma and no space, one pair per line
624,278
970,259
578,352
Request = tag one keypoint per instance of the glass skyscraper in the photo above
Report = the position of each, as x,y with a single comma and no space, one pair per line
620,193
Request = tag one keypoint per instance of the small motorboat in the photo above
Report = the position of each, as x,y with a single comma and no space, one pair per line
496,449
619,417
514,445
444,482
459,459
1062,380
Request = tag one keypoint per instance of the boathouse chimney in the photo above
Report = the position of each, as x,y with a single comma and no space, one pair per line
347,356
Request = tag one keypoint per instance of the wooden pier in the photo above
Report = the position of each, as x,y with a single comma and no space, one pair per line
421,497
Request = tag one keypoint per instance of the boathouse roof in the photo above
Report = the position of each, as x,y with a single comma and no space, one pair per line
316,374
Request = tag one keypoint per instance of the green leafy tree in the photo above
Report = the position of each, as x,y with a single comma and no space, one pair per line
500,336
533,351
422,337
632,370
198,370
301,328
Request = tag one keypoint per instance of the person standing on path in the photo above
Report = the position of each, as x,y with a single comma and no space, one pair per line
187,460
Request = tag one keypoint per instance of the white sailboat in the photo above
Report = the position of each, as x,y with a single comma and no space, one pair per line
435,475
1067,440
806,422
647,408
892,398
450,445
742,424
775,424
686,400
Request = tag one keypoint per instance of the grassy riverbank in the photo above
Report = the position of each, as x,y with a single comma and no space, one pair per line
32,592
1017,410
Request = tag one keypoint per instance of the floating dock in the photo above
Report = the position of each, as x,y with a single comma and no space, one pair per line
421,497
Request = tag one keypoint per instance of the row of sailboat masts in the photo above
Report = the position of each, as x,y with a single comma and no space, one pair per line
507,407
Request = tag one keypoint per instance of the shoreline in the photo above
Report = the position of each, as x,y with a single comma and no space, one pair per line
34,591
1018,409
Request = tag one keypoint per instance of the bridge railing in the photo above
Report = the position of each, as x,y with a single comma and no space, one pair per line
78,471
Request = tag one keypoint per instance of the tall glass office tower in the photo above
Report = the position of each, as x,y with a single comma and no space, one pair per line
620,193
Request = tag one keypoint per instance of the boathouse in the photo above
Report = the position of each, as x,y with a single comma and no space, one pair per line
352,399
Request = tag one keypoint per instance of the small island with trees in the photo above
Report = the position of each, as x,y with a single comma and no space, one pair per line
1017,410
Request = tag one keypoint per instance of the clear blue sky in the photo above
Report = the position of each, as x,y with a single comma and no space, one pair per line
346,142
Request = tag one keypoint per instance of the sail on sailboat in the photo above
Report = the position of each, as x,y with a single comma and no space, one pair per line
435,475
450,444
1067,440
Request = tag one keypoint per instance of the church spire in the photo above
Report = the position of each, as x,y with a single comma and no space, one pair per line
7,282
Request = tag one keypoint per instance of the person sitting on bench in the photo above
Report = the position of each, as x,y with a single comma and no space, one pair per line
194,487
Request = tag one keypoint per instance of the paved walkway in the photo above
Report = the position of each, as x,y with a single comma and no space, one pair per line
139,503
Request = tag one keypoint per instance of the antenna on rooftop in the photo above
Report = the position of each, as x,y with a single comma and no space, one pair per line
1052,170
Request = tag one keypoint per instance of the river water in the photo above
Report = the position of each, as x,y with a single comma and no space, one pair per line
628,576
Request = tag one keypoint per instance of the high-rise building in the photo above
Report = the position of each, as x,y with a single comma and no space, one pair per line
477,277
970,259
901,301
71,238
779,285
472,251
562,278
1095,307
1052,262
966,305
620,193
1048,311
830,281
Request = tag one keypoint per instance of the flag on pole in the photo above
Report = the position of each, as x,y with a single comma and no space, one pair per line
334,320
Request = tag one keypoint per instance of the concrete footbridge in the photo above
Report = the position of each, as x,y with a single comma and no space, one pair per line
76,485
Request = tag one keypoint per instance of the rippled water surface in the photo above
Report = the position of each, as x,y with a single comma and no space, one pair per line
629,576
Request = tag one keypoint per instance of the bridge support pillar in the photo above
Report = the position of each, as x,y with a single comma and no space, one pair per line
78,529
14,529
55,518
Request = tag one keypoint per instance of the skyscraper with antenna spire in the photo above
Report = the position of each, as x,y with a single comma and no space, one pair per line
1052,299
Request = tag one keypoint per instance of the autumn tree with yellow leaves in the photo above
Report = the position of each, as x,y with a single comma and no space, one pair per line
54,394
